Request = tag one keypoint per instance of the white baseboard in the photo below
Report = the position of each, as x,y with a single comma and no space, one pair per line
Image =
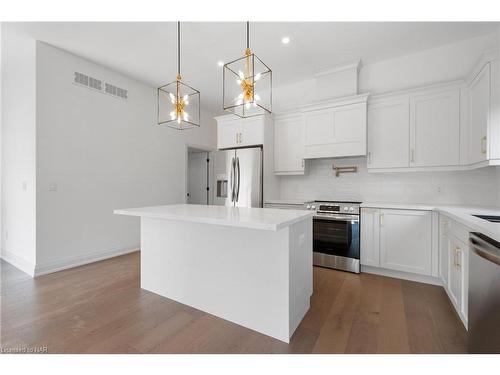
71,262
402,275
19,262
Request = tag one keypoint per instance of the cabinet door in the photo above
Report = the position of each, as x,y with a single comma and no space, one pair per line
388,133
240,132
479,111
456,285
228,134
336,132
435,129
251,132
369,227
289,145
406,241
444,248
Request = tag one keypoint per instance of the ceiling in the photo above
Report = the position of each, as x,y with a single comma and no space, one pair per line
147,50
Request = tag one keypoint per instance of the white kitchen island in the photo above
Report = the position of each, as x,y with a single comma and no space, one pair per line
251,266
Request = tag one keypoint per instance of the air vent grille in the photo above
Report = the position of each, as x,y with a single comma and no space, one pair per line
82,79
97,84
116,91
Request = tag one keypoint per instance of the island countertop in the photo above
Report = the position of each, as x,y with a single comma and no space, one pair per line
242,217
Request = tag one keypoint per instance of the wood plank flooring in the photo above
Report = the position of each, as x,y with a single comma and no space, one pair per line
100,308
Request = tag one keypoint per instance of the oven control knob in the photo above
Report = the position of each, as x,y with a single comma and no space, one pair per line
346,209
313,207
351,209
308,206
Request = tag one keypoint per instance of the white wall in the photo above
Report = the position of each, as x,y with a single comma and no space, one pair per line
476,187
18,149
444,63
449,62
102,153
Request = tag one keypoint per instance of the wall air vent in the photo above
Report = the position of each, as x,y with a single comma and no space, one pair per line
116,91
97,84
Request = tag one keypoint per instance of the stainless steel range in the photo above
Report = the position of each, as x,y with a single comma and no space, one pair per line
336,234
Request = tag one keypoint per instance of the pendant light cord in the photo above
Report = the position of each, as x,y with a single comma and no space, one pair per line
248,34
178,47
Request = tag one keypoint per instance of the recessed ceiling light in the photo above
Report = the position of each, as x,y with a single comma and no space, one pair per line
220,63
285,40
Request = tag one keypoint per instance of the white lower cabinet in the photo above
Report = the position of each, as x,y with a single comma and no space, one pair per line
454,256
406,244
444,248
399,240
406,241
370,237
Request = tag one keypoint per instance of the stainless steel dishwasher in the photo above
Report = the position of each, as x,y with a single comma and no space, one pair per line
484,294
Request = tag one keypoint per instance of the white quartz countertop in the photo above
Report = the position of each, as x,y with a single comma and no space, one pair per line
462,214
242,217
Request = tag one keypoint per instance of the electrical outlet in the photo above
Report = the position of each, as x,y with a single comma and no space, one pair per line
52,186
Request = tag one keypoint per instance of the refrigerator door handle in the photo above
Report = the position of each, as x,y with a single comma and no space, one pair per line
238,179
232,180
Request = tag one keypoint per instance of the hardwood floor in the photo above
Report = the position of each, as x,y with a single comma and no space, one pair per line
100,308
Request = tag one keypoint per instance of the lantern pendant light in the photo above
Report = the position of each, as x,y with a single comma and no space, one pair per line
178,103
247,84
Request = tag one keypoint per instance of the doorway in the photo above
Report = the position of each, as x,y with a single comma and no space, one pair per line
198,176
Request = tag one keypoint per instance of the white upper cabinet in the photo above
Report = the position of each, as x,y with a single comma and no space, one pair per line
388,133
479,114
289,144
435,129
336,129
235,132
406,241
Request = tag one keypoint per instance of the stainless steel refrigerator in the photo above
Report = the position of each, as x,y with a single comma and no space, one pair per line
245,178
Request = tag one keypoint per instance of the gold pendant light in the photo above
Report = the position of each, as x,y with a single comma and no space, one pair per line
247,84
178,103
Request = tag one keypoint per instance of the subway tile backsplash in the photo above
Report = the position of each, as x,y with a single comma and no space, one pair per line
475,187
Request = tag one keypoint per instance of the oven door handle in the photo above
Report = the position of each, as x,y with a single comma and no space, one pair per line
336,218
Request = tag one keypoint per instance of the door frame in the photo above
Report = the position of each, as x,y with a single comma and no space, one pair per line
209,150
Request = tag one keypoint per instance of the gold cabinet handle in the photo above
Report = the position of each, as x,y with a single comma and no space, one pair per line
413,155
381,220
369,157
303,163
459,255
483,145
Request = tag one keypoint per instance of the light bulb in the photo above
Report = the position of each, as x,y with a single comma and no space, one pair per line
172,98
257,77
256,97
186,116
178,120
241,75
285,40
247,105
